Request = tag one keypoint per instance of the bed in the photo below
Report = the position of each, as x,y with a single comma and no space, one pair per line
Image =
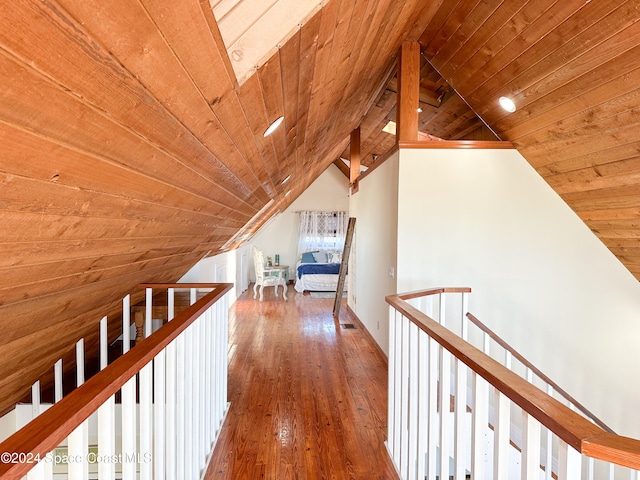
317,273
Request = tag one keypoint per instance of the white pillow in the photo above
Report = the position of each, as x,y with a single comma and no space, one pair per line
320,257
334,257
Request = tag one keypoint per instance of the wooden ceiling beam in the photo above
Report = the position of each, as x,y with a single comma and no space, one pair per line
342,167
408,92
427,97
354,169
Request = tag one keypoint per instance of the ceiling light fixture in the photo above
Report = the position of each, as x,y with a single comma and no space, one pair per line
507,104
285,180
419,109
288,193
272,128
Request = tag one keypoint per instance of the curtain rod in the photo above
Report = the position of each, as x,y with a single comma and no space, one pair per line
321,211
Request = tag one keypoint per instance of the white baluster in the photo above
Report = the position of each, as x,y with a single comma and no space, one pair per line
445,408
188,403
210,354
433,408
501,421
465,320
428,306
126,324
414,380
191,451
106,415
146,426
216,356
57,380
549,452
35,399
128,402
531,447
37,472
159,415
391,367
195,399
204,407
219,360
480,426
78,440
441,309
128,406
146,399
224,364
171,433
397,389
180,406
569,462
461,434
423,402
404,399
148,320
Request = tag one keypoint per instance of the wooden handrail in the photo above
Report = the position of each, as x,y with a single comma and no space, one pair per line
496,338
179,285
433,291
584,436
46,431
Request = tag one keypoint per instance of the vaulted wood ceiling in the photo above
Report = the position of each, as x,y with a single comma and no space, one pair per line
128,149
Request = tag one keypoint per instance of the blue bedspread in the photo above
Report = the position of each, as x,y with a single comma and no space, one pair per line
318,268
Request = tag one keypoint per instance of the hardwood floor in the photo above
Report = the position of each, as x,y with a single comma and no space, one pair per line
308,397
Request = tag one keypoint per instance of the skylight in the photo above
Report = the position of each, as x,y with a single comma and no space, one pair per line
390,127
253,30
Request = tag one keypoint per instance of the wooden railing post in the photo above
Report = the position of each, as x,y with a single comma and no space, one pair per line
408,92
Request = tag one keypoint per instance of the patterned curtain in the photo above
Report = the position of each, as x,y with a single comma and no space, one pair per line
322,231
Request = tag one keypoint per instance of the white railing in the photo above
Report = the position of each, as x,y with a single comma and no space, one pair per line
153,413
456,412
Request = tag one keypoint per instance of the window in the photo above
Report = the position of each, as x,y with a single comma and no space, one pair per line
322,231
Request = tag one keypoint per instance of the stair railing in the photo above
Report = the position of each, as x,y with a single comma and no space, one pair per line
172,392
456,412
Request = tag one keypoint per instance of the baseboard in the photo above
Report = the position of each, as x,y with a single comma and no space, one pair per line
353,315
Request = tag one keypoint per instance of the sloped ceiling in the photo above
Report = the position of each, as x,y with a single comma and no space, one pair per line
129,150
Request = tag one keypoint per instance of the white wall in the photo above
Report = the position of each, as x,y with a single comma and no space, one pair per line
540,278
328,193
375,208
225,267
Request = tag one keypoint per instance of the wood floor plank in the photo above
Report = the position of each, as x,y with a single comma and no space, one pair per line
308,398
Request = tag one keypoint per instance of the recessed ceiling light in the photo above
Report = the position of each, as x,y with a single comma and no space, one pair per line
272,128
419,109
285,180
507,104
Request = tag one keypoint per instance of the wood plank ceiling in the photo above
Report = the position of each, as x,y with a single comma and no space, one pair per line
128,149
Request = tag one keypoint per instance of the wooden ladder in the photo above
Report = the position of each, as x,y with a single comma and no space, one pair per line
343,266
